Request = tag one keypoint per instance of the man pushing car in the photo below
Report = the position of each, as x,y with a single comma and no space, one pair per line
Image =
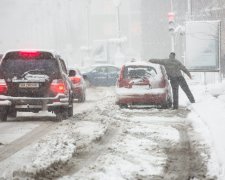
173,69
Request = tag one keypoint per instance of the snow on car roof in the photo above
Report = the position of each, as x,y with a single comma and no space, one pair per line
142,63
99,65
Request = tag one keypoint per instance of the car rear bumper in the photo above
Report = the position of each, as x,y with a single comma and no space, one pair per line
77,92
41,103
132,96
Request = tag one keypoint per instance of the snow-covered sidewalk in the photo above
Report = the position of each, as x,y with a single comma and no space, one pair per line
208,114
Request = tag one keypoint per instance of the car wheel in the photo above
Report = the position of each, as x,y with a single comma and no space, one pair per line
70,110
167,104
3,113
61,114
82,98
12,112
122,106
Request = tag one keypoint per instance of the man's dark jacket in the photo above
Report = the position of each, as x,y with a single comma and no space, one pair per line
173,67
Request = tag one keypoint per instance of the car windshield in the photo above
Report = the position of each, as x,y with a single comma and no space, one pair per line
139,71
17,67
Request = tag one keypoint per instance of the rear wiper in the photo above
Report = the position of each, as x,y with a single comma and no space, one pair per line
32,70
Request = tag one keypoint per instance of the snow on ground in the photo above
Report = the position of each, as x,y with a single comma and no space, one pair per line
132,154
208,117
59,145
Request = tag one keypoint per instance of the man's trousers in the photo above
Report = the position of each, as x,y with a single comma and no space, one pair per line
175,83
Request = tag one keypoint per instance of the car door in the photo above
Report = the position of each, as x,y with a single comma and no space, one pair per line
113,73
99,76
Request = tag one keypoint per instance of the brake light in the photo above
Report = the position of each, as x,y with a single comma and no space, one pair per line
58,86
29,54
75,80
3,87
122,73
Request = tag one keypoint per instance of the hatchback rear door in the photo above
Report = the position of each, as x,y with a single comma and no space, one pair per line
29,74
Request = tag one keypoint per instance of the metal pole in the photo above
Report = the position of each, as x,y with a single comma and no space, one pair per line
171,5
88,27
118,21
189,15
172,42
172,34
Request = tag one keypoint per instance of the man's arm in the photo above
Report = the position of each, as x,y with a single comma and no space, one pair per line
158,61
184,69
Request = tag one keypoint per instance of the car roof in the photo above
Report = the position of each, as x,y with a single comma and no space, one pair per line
141,63
100,65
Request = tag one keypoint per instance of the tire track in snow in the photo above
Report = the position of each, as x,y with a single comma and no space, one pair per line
15,146
84,158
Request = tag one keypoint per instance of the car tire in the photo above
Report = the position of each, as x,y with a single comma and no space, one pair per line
82,98
3,113
12,112
167,104
70,110
123,106
61,114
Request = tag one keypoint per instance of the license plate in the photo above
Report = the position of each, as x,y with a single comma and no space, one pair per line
141,87
29,85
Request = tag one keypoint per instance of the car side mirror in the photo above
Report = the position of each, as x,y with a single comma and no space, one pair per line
72,73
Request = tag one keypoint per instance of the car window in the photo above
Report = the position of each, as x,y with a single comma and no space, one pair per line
101,69
139,71
63,65
17,67
112,69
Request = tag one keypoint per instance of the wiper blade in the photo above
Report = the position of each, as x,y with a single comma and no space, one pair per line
32,70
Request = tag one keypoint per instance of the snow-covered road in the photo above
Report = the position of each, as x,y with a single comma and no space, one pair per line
147,144
103,141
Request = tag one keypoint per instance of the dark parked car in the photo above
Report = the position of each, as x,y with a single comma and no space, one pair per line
143,83
101,75
31,81
78,84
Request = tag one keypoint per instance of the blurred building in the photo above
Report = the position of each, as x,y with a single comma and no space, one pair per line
211,10
104,29
154,23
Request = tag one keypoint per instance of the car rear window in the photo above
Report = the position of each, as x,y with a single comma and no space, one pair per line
139,71
16,67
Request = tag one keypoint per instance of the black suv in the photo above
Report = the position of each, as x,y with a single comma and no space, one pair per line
31,81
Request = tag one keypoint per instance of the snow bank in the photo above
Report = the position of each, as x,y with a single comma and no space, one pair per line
209,106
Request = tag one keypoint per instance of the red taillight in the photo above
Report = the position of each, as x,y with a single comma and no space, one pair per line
58,86
75,80
29,54
3,87
121,73
121,78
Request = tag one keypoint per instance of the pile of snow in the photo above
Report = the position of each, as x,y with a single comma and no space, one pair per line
58,146
209,119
